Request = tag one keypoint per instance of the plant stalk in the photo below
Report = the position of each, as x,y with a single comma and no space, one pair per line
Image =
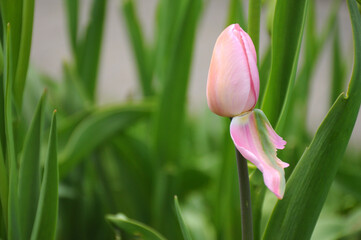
245,196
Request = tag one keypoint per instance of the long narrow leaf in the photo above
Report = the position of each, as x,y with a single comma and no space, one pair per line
138,43
47,211
133,228
24,50
89,53
29,175
72,9
4,187
13,224
170,115
11,12
309,183
286,37
236,14
102,124
254,19
185,231
338,73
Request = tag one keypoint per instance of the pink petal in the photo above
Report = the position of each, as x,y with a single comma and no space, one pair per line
255,139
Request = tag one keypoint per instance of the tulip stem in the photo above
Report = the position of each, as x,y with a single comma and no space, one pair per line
245,194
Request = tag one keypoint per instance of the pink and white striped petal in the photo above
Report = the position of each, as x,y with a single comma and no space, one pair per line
256,140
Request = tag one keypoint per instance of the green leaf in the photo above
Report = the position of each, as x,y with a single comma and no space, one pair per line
186,233
72,9
258,191
103,124
350,179
191,180
29,176
170,115
47,211
307,188
264,73
1,59
89,49
134,172
24,50
136,39
338,69
13,224
286,38
254,18
11,12
172,101
133,228
227,210
4,187
236,14
292,122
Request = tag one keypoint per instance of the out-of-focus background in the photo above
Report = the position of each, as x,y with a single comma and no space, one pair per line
132,128
117,73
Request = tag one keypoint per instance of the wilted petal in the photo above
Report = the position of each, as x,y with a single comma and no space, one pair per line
256,140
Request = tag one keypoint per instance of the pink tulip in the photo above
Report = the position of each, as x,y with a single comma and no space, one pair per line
233,81
232,91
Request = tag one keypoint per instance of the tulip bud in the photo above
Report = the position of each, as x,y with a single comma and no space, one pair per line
233,81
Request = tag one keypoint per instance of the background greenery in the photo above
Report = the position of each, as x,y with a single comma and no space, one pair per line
90,171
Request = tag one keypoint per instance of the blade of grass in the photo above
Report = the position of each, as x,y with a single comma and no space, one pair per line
102,124
24,51
137,41
135,229
47,211
287,31
89,49
29,176
185,231
307,188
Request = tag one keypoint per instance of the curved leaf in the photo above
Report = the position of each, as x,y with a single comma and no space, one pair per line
47,212
133,228
288,25
95,129
29,175
310,181
186,233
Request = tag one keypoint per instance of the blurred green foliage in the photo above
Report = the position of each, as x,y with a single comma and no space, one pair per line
95,172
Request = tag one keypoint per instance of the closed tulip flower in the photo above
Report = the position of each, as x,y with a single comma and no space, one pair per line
233,81
232,91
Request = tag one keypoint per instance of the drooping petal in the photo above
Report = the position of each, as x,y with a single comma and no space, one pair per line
256,140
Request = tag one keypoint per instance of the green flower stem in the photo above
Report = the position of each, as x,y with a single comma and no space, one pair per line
245,194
